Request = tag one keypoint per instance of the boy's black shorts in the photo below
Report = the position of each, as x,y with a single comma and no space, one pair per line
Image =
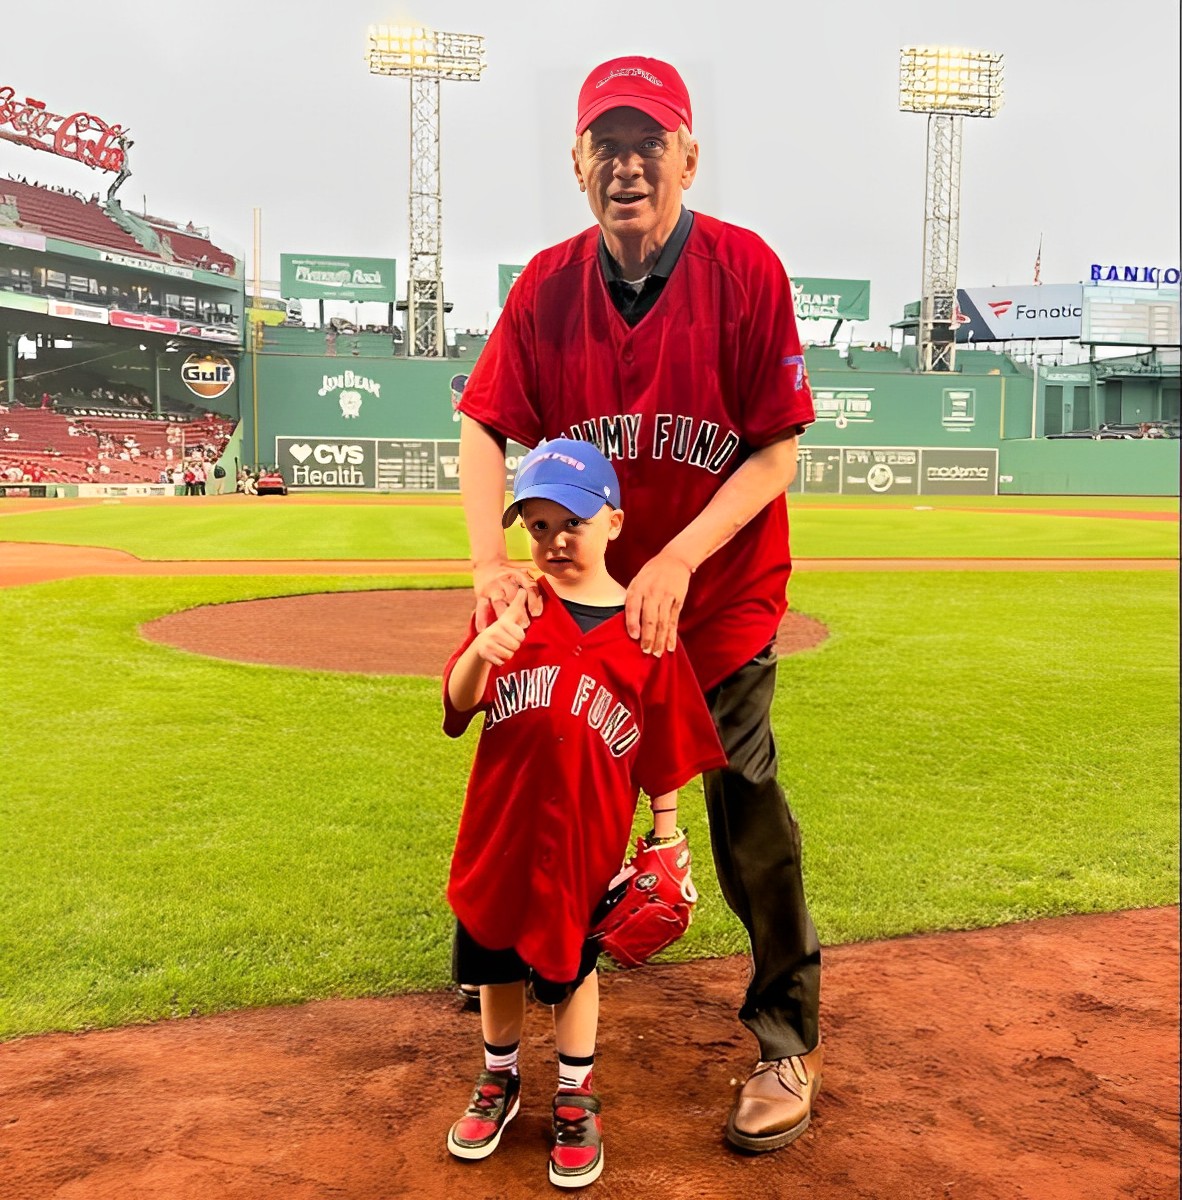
471,963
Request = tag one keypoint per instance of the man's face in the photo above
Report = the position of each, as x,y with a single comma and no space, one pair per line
634,173
567,547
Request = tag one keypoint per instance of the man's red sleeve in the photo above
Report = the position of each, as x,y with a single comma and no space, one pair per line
774,385
502,391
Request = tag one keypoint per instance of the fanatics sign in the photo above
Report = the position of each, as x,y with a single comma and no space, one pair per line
1052,310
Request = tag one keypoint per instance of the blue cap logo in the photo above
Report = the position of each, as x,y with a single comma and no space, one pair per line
571,473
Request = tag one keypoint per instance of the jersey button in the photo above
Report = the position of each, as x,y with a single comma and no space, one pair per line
626,357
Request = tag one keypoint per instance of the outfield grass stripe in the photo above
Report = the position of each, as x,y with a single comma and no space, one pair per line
375,531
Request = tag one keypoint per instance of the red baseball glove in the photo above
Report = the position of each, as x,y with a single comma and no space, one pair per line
649,904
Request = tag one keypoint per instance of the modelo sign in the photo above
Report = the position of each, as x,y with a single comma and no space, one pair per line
207,375
327,462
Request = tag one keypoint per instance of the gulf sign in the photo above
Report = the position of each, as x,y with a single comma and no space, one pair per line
207,375
1052,310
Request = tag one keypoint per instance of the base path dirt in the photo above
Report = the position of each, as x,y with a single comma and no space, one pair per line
40,562
1036,1061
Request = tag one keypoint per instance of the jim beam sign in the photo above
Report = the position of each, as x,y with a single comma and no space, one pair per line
78,135
349,387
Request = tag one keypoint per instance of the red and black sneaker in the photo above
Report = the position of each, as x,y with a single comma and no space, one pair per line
495,1101
577,1157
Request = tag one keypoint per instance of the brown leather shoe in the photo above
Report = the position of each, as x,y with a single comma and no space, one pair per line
774,1106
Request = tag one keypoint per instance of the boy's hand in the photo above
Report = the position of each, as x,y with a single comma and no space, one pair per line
502,639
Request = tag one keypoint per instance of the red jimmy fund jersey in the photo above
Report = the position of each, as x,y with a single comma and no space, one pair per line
712,372
574,725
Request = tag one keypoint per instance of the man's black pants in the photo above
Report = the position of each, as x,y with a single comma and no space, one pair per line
756,845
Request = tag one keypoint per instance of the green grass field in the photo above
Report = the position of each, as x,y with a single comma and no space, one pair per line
181,834
270,529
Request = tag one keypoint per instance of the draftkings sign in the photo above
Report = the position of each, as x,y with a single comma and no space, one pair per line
831,299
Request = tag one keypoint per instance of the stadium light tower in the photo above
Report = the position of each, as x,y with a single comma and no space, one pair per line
947,84
425,57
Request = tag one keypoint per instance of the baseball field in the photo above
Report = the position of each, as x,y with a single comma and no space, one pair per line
225,832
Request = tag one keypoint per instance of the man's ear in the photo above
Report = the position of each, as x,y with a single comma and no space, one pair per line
615,524
691,165
574,153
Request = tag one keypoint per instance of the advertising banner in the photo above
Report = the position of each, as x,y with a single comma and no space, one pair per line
379,464
879,472
844,406
327,463
142,322
303,277
1050,310
958,472
78,135
506,277
207,375
896,470
24,303
18,237
824,299
78,312
126,489
210,333
147,264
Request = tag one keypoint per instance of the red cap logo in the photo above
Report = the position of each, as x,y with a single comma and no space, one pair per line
648,84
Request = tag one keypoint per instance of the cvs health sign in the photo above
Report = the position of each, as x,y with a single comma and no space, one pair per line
327,462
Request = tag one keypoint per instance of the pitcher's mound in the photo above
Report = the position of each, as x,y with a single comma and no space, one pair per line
377,633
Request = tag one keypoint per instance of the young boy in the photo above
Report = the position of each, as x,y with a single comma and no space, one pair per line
577,719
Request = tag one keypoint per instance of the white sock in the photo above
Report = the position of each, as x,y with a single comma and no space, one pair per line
574,1072
501,1058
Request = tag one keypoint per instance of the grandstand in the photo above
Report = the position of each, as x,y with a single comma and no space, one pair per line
101,312
108,226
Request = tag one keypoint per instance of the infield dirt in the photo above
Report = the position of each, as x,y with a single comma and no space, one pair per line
1035,1061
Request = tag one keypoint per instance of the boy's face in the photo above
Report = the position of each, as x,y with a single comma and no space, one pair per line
565,546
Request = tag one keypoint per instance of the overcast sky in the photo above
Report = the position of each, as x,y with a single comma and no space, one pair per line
269,103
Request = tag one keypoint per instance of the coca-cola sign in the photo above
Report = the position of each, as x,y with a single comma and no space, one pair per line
80,136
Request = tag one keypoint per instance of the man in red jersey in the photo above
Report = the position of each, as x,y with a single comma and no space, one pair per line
668,339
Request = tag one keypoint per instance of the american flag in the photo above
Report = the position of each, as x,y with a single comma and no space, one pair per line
1038,261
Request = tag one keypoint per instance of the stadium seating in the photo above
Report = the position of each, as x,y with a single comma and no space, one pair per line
44,437
64,215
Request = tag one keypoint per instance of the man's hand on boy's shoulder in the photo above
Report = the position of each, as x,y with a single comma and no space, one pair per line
502,639
655,600
496,586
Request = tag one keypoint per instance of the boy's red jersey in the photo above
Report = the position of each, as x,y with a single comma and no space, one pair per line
575,725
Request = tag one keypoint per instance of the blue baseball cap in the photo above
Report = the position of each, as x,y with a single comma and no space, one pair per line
571,473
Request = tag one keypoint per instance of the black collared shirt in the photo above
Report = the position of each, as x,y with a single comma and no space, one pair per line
633,304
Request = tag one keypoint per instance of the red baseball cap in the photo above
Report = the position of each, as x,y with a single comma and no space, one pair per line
648,84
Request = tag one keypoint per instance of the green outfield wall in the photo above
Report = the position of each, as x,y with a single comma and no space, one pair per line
353,412
1083,467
